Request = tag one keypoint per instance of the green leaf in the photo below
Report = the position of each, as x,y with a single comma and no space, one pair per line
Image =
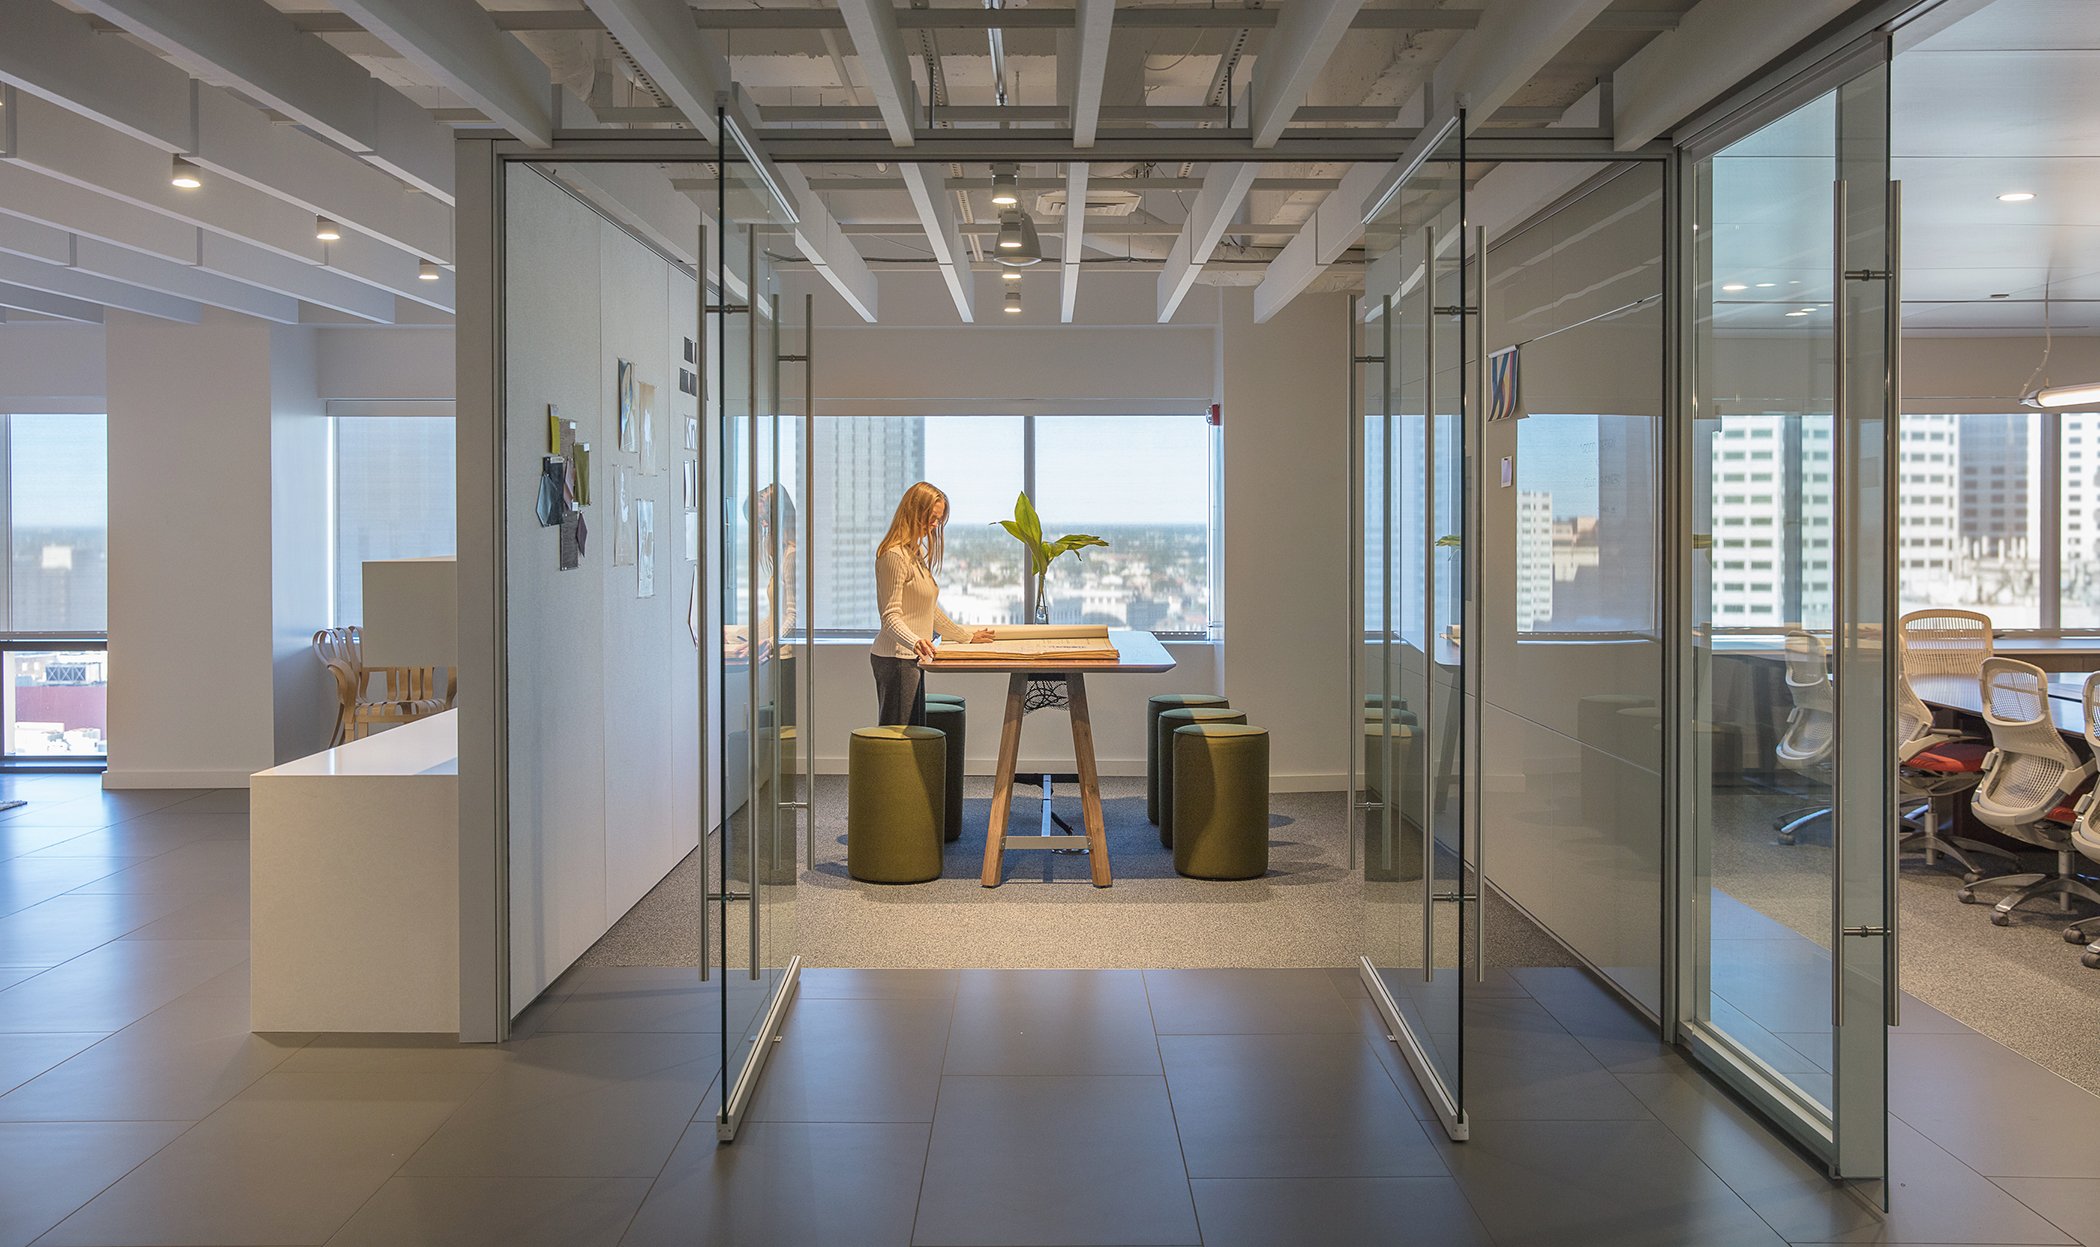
1450,541
1025,514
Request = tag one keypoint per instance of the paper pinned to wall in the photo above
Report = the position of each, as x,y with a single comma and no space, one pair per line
692,536
623,530
692,485
692,434
650,466
625,397
645,544
571,541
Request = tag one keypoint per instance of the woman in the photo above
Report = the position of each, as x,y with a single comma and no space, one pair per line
909,596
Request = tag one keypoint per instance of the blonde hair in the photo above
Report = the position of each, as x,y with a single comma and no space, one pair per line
912,528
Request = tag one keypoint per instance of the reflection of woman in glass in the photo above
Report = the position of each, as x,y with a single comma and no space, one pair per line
773,512
909,597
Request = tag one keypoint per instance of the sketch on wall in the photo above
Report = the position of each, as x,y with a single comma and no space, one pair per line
647,402
626,384
645,538
623,530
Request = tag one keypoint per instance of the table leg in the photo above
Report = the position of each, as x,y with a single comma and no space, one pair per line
1089,778
1003,779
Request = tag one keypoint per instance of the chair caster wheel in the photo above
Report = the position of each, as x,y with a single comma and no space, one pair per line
2090,961
1971,876
1965,896
2076,935
2000,920
1786,837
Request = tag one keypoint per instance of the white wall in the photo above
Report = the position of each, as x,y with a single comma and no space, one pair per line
303,694
604,743
50,366
191,702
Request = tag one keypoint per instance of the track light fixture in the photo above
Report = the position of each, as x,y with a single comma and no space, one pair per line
326,230
1011,275
1006,185
1019,245
1013,300
185,175
427,271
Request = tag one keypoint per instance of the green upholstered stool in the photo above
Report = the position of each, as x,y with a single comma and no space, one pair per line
1169,721
1154,707
1221,801
895,781
946,717
953,698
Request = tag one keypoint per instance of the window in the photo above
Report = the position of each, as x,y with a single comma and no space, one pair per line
1586,523
394,498
1967,535
56,684
1152,500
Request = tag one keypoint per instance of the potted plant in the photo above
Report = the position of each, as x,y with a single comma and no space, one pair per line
1026,527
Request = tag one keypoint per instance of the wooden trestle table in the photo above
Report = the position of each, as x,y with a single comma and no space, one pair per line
1137,653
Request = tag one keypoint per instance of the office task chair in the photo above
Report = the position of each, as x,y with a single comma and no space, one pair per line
1811,726
1934,762
2085,832
2031,782
1944,642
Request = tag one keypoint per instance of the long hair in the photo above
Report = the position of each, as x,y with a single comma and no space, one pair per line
912,527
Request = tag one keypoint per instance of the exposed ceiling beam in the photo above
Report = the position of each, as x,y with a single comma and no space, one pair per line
74,284
1051,184
1224,186
1720,43
44,303
270,58
682,62
155,102
936,207
459,44
1336,225
244,261
184,282
1305,37
1075,239
879,45
1094,20
74,149
1140,17
825,245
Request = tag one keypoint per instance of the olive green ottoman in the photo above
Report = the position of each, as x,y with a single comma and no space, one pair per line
895,783
1154,707
1169,721
946,717
1221,801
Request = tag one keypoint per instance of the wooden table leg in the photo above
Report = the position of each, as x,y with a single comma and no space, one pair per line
1003,779
1089,778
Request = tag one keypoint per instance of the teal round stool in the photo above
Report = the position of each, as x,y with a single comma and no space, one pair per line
946,717
895,785
1169,722
1154,707
1221,801
953,698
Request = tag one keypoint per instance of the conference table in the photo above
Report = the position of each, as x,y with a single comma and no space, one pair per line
1042,684
1965,696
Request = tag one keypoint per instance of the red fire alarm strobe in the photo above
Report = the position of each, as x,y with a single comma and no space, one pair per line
1217,416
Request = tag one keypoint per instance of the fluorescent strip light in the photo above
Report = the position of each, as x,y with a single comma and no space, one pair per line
2050,398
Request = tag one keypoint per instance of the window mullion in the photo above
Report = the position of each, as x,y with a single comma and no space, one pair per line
2050,588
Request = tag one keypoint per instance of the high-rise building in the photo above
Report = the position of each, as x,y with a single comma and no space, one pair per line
1995,515
1534,558
863,468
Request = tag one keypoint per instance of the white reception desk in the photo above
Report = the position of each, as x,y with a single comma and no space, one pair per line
354,867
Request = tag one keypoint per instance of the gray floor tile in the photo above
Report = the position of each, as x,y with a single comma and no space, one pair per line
1336,1212
1052,1022
1551,1078
654,998
379,1068
23,1057
258,1172
1996,1111
853,1184
64,927
18,840
148,837
205,866
216,801
1609,1183
821,982
1054,1160
1291,1106
495,1212
1612,1030
11,975
1934,1198
212,917
578,1106
48,1169
1247,1002
856,1060
2070,1204
115,985
178,1063
30,880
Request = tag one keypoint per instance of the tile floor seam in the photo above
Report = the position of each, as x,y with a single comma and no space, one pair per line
2015,1197
105,1189
934,1120
1167,1082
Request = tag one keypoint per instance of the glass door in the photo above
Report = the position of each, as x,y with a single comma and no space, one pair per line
1789,936
1411,802
760,459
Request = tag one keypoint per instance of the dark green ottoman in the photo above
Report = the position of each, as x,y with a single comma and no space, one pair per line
946,717
895,784
1221,801
1154,707
954,698
1169,721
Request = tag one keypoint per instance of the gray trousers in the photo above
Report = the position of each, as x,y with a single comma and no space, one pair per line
900,691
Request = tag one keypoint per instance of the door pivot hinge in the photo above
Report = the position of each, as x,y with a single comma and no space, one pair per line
1863,931
1868,274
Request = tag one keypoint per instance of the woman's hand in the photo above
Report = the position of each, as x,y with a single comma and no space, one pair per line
983,635
925,649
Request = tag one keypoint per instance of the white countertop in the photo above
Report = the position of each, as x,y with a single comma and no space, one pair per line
423,747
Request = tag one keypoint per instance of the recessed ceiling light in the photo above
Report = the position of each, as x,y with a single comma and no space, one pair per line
185,175
1797,313
2015,197
1010,275
426,271
2005,295
1734,286
1766,285
326,230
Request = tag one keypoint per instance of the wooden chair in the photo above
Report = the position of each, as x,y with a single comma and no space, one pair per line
406,693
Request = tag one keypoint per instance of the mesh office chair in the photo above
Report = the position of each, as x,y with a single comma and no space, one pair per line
1935,762
2085,832
1811,726
2031,781
1938,642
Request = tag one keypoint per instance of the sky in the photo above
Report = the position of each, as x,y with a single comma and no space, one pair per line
1090,470
1558,455
60,471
